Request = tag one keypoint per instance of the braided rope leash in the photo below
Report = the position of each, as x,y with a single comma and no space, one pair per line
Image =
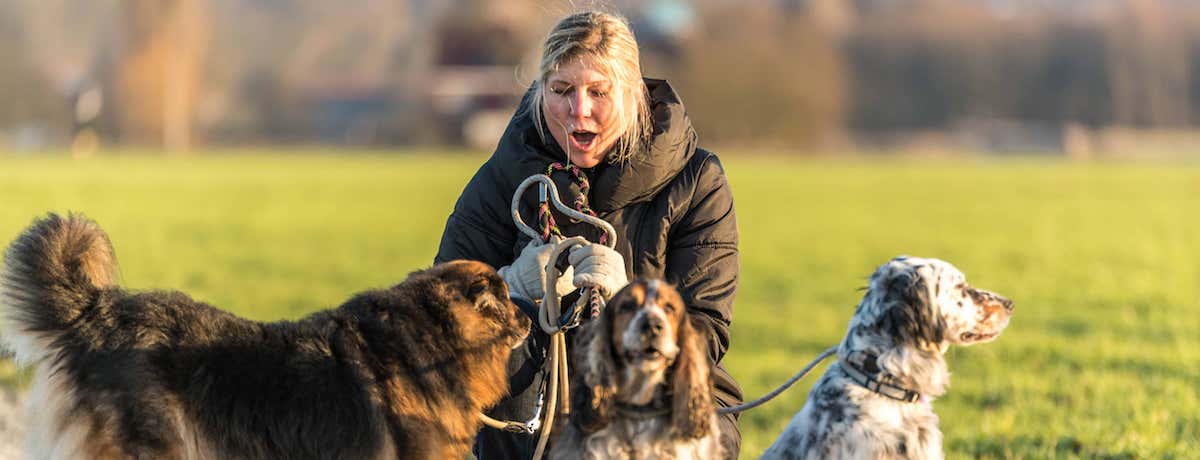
553,199
546,219
550,314
549,226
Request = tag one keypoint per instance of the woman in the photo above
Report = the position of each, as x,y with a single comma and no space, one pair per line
626,146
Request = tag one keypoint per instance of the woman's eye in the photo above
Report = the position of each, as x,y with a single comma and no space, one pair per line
597,93
558,90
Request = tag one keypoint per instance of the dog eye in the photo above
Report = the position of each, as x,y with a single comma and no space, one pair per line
477,287
669,307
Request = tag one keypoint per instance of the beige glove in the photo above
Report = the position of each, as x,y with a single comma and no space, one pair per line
526,275
600,267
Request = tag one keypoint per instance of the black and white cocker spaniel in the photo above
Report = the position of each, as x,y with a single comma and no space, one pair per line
641,387
874,403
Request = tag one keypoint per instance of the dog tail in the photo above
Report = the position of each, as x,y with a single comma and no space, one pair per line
52,273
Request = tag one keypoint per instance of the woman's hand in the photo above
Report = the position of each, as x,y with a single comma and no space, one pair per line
527,274
600,267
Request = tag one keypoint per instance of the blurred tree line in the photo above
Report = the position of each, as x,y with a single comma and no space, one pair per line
1119,62
796,73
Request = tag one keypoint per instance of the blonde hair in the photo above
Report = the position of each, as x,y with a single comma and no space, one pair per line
606,40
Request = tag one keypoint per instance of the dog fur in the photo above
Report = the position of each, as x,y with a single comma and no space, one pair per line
914,309
642,388
392,373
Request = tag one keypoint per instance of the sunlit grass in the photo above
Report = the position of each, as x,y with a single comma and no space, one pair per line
1102,260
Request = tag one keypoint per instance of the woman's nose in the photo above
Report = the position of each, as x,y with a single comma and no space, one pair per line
581,107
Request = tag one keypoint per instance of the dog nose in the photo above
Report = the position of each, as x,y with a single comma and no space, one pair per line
1008,304
652,325
987,298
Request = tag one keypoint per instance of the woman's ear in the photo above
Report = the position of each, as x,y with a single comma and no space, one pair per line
594,388
691,384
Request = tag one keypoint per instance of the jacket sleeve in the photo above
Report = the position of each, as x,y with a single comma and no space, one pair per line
480,227
702,255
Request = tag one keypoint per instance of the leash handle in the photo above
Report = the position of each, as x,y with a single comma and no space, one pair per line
773,394
549,186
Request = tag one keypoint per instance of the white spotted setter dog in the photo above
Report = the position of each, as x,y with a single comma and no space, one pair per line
874,403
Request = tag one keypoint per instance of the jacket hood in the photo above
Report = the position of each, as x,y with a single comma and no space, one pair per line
521,153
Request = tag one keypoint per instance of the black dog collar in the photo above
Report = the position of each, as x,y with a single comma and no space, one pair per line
646,412
873,383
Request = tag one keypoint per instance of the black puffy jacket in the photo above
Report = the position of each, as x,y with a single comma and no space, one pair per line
670,205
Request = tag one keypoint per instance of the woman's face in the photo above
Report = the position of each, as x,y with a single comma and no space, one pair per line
580,110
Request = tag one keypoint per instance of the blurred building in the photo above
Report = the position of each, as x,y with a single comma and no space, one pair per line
796,74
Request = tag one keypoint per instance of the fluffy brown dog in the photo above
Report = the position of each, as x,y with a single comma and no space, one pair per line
643,388
400,372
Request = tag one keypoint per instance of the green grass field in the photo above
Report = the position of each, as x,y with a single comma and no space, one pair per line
1101,360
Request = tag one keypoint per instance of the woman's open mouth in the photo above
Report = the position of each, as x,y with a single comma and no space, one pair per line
583,140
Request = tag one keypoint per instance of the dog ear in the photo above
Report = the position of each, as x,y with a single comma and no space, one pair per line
691,384
909,315
594,388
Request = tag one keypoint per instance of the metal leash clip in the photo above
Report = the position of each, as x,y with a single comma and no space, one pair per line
535,422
